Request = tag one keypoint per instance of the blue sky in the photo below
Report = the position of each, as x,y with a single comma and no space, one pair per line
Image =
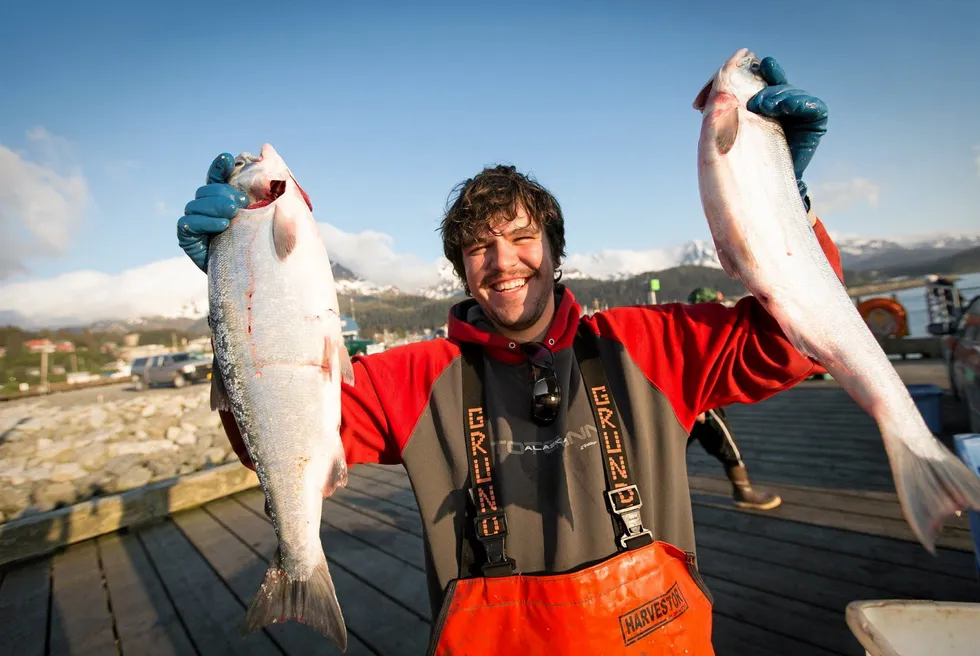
380,108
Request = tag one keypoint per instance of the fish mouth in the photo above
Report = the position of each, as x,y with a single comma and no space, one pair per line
270,193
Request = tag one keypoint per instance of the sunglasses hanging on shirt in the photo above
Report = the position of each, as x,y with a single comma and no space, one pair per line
545,390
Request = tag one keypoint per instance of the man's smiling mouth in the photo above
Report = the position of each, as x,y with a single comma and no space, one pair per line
508,285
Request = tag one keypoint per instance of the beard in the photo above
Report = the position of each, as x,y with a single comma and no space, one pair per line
535,306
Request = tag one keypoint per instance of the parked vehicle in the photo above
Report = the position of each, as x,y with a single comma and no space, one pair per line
356,346
961,349
177,369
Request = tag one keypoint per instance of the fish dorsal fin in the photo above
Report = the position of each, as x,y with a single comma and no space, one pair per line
726,128
283,232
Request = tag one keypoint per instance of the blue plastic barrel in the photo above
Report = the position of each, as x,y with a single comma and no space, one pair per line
967,447
928,399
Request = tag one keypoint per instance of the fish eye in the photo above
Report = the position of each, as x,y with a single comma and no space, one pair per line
755,65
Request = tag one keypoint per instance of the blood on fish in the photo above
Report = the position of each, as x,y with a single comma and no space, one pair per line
325,362
276,189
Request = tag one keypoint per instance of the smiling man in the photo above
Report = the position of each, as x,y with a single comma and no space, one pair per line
546,448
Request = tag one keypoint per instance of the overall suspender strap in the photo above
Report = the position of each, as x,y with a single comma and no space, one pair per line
490,524
622,495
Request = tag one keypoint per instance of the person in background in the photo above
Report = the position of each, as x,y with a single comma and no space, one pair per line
712,430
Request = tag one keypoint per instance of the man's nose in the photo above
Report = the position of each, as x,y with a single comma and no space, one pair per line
504,256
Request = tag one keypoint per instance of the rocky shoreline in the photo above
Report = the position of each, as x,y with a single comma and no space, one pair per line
52,456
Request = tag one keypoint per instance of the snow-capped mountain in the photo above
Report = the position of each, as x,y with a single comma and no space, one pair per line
448,286
865,254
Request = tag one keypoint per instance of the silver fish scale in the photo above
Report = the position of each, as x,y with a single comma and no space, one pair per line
821,320
271,321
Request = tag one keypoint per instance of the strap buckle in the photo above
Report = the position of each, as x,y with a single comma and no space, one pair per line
498,564
630,517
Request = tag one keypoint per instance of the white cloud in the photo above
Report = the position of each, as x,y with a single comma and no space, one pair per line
831,196
40,205
371,255
176,287
159,288
161,208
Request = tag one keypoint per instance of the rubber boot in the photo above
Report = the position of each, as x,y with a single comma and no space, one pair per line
745,496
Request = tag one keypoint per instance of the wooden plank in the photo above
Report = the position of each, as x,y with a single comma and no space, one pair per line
400,632
242,571
395,578
397,476
770,574
878,526
378,503
883,579
383,490
24,595
784,616
80,619
145,619
805,474
43,533
211,613
825,500
403,545
885,550
733,638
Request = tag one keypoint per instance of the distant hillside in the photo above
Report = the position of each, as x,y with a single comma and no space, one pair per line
411,313
962,262
675,284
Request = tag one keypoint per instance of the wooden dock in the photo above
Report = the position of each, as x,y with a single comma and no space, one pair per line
781,579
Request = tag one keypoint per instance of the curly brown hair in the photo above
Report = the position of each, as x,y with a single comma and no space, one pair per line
493,193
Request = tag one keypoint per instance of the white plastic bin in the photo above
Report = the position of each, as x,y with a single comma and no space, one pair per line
903,627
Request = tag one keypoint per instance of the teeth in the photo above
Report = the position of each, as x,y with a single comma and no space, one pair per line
510,284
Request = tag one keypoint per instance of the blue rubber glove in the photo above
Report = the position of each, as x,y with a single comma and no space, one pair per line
803,117
212,209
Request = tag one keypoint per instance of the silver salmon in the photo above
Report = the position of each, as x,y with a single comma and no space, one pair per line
764,238
279,360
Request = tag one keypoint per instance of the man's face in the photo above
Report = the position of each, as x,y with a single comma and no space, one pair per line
510,272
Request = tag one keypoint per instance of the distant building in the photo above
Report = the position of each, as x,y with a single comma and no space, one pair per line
348,327
64,347
39,345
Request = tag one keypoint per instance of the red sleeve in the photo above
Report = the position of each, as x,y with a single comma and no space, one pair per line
379,412
707,355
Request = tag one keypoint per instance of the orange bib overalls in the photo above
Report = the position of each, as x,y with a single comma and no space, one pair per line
648,599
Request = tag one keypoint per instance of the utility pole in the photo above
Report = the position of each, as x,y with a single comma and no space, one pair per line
74,363
44,370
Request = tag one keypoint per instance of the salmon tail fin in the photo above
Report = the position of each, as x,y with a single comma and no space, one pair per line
931,488
312,602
